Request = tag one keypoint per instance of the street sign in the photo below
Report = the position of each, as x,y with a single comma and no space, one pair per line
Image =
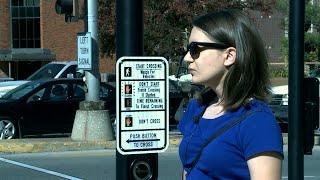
84,51
142,105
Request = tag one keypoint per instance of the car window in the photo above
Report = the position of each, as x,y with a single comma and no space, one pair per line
78,90
37,96
103,91
20,91
46,72
70,70
59,92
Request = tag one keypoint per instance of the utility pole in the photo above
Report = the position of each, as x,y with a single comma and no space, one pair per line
296,106
92,121
70,9
93,75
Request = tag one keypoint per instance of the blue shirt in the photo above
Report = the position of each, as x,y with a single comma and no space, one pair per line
226,156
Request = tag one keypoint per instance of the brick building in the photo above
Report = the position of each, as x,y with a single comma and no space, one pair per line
271,33
32,34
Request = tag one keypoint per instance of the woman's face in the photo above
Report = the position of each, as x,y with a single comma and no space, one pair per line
208,68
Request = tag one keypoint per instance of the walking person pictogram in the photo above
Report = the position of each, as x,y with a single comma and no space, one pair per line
127,72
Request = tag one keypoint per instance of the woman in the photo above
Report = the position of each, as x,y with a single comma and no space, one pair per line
226,54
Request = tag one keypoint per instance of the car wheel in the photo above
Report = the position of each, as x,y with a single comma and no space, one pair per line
8,129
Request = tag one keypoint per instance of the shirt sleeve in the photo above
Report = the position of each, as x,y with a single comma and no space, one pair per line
260,133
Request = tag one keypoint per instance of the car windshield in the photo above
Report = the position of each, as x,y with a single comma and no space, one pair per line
46,72
20,91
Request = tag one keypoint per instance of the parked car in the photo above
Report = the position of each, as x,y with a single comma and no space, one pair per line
6,79
9,85
46,106
48,71
279,102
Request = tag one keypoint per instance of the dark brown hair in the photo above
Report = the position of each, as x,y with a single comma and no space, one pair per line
249,76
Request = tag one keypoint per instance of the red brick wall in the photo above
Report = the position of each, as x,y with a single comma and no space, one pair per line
4,32
108,65
5,24
61,37
271,33
3,69
56,34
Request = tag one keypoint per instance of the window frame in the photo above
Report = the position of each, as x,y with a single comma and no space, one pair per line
25,23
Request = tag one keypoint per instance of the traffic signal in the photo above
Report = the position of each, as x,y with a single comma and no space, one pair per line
69,8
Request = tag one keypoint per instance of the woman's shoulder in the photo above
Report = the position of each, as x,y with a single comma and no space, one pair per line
260,130
257,105
259,112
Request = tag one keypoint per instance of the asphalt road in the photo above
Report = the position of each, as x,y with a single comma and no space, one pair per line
77,165
101,164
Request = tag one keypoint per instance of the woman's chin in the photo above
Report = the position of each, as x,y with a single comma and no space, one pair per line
198,81
195,80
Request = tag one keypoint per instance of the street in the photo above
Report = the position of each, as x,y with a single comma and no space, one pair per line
77,165
100,164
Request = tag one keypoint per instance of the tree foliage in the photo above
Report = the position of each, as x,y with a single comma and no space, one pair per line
107,26
167,23
312,21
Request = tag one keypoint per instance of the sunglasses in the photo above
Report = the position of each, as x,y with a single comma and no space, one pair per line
195,49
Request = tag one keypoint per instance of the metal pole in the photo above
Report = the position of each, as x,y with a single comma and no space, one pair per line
129,36
93,76
85,16
10,73
296,75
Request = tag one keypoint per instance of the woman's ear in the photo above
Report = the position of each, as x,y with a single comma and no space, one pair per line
230,56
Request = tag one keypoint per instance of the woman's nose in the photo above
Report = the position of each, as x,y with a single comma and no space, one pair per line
187,58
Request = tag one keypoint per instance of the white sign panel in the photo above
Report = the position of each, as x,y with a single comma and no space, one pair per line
143,106
142,140
147,95
84,51
145,120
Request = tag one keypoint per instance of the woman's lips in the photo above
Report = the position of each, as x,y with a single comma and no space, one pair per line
190,71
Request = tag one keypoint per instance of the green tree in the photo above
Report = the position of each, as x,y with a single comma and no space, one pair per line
167,23
312,35
107,26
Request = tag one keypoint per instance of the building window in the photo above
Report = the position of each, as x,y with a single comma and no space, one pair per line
25,23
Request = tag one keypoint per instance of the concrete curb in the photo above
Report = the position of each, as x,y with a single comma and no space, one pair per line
34,145
51,145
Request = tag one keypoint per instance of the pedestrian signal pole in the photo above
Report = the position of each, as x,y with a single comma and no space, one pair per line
129,37
296,103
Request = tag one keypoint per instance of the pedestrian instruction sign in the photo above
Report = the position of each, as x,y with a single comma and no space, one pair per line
142,105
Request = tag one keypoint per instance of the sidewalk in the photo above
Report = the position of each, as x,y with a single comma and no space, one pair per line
34,145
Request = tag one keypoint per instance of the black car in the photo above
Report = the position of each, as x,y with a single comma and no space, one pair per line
46,107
